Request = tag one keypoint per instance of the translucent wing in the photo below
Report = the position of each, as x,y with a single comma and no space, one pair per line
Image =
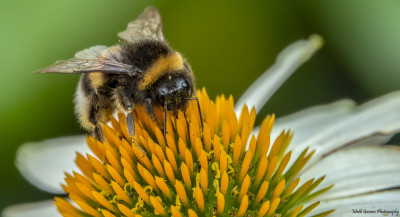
91,53
147,25
94,59
77,65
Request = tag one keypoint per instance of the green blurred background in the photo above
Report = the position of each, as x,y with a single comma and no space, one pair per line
228,43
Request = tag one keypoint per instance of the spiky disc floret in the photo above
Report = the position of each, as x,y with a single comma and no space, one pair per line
192,171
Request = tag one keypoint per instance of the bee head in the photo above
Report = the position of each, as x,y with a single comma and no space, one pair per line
173,90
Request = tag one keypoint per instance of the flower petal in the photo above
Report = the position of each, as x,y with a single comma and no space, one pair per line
37,209
306,122
357,170
309,121
43,163
377,201
291,58
380,116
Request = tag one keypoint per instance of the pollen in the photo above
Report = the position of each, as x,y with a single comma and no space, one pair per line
214,168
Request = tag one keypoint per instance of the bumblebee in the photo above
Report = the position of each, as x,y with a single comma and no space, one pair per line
141,70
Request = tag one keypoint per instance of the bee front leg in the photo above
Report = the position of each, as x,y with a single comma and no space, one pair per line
98,134
150,111
130,122
127,105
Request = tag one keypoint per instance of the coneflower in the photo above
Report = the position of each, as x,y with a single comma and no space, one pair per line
193,171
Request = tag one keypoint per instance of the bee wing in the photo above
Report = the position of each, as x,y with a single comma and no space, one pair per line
91,53
95,59
78,65
147,25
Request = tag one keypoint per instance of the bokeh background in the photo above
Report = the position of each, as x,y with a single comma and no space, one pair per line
228,43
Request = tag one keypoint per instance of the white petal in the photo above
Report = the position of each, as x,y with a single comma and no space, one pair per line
308,121
380,116
291,58
357,170
43,163
38,209
378,202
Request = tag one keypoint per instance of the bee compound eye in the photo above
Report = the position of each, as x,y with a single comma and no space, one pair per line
186,87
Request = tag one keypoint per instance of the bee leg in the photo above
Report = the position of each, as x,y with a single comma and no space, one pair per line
130,122
150,111
127,105
165,119
94,118
98,134
131,129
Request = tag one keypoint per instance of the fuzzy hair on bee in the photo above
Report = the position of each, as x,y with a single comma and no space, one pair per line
141,70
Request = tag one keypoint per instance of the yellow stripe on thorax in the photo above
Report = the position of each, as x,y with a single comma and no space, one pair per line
164,64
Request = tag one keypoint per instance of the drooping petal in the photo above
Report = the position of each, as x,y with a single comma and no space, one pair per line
348,206
357,170
43,163
291,58
38,209
374,140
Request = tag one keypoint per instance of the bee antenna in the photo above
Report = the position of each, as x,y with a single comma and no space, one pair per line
198,107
